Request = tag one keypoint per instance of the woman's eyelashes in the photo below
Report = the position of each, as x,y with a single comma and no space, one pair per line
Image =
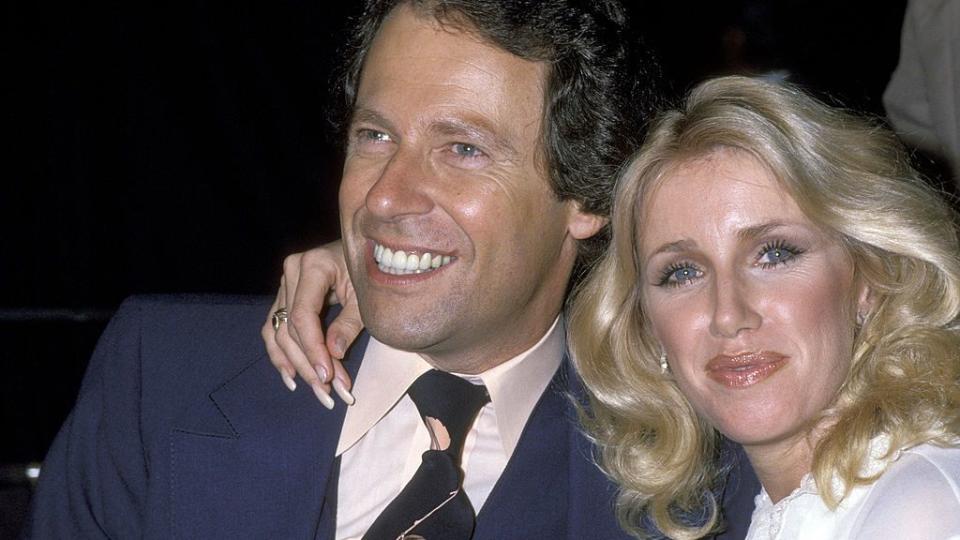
678,274
769,256
776,253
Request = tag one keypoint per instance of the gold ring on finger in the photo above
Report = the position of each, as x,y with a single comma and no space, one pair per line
279,317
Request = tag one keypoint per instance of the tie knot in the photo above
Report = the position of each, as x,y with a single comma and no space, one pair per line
453,401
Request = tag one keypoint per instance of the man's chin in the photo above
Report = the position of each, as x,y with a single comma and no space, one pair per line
406,332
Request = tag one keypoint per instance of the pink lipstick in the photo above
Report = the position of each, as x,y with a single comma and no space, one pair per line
744,369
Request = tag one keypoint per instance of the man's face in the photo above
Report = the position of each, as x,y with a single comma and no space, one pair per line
457,247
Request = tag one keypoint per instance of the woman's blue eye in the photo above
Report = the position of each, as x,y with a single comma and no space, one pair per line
776,253
679,274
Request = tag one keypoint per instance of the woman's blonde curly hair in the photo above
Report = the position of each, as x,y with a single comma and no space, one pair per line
851,177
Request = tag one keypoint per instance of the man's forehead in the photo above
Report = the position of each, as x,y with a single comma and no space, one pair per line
406,26
451,22
411,34
451,80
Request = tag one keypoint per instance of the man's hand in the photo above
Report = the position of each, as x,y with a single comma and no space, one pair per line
310,280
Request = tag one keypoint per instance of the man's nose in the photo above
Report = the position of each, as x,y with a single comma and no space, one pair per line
403,187
733,308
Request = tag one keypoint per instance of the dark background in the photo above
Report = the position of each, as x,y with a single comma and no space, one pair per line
183,147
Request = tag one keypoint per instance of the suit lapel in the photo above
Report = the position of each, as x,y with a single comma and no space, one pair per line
253,459
551,487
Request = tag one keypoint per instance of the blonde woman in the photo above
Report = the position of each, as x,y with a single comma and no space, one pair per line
781,276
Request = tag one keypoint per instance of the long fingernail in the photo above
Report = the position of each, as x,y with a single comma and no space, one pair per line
321,372
324,397
339,347
342,391
288,380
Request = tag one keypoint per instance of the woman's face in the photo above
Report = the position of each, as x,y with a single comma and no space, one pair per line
752,303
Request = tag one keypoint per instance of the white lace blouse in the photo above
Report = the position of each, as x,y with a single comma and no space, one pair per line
917,498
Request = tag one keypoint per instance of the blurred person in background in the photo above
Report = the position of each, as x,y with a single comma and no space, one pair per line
922,99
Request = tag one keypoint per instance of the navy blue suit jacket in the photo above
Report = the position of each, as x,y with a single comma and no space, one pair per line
183,430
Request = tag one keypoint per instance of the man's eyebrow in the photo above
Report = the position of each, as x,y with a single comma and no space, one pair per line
474,130
369,116
470,130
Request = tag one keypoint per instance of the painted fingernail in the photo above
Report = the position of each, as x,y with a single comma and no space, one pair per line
288,380
339,347
342,391
321,372
324,397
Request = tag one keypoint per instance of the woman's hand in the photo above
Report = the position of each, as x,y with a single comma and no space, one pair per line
310,281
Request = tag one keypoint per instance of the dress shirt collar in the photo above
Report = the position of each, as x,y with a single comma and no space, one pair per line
515,386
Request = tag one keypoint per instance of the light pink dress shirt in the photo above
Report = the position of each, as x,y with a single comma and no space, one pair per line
383,436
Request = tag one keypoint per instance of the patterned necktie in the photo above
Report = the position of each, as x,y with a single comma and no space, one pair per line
433,504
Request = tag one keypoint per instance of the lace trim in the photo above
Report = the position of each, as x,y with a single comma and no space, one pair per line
769,516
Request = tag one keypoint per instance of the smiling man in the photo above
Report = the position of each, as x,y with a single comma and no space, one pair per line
460,253
482,142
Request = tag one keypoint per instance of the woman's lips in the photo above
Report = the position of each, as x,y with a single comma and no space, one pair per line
745,369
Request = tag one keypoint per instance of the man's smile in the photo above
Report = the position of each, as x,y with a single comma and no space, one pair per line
400,262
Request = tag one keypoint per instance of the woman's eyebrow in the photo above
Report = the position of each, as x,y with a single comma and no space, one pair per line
746,233
674,247
756,231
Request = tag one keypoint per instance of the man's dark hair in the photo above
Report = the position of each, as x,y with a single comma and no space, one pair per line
602,86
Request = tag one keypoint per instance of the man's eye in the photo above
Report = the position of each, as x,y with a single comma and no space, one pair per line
466,150
679,274
372,135
776,253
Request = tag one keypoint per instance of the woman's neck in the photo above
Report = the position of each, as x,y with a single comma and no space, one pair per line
781,466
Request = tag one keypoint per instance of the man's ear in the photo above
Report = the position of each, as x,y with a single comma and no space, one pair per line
583,225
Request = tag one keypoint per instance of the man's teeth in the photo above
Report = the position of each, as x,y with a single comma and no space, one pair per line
400,262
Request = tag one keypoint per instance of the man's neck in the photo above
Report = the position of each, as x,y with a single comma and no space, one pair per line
490,353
